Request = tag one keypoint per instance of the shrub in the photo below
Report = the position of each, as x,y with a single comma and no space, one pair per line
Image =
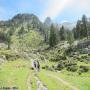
78,58
53,66
79,72
72,68
88,54
43,67
84,68
57,57
42,58
69,63
68,51
83,57
48,68
63,57
31,68
60,66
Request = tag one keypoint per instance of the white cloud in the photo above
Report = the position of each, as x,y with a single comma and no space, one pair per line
81,5
64,21
55,7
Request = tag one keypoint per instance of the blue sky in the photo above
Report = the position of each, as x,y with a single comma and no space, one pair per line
58,10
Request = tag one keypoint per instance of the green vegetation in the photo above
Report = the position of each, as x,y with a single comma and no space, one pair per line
82,82
62,33
31,40
53,37
51,83
63,54
14,74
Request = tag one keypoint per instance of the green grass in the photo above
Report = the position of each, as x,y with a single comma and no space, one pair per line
51,83
80,81
14,73
34,86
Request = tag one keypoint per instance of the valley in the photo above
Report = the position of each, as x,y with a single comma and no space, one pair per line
63,55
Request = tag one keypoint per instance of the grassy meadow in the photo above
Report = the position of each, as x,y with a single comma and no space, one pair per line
14,74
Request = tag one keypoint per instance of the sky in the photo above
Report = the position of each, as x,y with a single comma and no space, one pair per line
57,10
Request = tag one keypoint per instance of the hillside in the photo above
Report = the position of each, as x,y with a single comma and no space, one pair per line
20,23
19,19
44,56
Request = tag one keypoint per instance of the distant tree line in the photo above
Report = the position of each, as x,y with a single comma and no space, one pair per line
52,34
5,36
82,28
55,35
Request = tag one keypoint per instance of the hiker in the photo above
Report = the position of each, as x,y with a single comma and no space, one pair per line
34,64
38,65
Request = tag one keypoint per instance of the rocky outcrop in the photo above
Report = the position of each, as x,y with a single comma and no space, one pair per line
83,44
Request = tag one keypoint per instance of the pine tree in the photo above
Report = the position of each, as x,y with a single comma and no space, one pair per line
8,39
84,26
81,28
53,36
21,32
46,35
62,33
78,30
70,37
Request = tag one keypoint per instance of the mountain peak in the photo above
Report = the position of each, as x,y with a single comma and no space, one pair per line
48,21
24,16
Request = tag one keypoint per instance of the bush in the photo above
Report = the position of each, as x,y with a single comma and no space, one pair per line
88,54
84,68
57,56
60,66
31,68
42,58
83,57
45,67
72,68
78,58
68,51
48,67
63,57
69,63
53,66
79,72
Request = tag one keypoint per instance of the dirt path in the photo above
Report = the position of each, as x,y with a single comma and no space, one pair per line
64,82
40,85
29,83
